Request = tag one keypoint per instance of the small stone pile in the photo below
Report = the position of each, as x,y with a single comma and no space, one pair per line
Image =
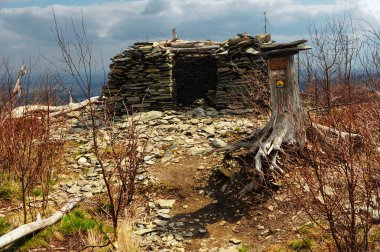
151,74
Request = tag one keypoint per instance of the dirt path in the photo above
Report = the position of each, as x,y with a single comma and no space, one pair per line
206,203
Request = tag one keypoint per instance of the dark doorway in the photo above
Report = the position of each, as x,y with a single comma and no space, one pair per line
195,77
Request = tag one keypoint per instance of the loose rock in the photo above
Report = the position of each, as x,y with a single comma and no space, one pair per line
162,203
216,142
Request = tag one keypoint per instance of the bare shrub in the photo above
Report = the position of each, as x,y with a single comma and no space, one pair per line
336,175
336,180
369,57
118,153
29,153
254,91
336,46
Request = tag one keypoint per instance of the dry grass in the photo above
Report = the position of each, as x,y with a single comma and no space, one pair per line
128,241
336,177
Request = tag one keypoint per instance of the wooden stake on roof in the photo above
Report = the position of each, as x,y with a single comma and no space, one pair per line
175,36
265,22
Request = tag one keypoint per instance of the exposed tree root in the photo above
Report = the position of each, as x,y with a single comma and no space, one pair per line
266,144
271,144
252,142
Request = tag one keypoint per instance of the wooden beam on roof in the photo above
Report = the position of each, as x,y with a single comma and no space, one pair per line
284,51
195,49
267,47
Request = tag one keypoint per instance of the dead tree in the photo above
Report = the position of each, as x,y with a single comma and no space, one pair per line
17,88
286,124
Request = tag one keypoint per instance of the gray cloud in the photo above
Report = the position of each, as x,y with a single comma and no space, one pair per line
156,6
113,25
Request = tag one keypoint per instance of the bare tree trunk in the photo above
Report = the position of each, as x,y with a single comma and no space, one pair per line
286,124
286,102
286,121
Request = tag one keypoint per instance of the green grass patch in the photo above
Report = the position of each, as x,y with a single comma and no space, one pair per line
244,248
38,240
37,192
33,243
71,224
307,104
104,206
4,226
76,222
9,191
306,229
301,244
225,135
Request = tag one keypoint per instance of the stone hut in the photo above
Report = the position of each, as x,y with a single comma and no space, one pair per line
173,73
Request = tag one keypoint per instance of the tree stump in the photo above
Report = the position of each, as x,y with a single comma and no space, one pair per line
286,124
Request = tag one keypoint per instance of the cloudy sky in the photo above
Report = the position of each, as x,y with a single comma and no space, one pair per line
26,25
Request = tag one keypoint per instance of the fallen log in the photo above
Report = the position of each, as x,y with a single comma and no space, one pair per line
54,110
31,227
336,132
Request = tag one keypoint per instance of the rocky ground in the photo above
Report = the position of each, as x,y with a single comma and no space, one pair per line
189,192
172,137
187,196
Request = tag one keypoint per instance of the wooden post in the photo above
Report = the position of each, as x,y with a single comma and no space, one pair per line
174,34
286,122
285,96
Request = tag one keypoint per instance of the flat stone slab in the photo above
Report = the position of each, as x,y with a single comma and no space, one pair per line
235,241
160,222
144,231
165,203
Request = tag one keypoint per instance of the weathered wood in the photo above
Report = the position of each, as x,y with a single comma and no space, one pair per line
273,46
17,88
284,51
278,63
285,124
286,101
54,110
207,49
336,132
183,44
29,228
